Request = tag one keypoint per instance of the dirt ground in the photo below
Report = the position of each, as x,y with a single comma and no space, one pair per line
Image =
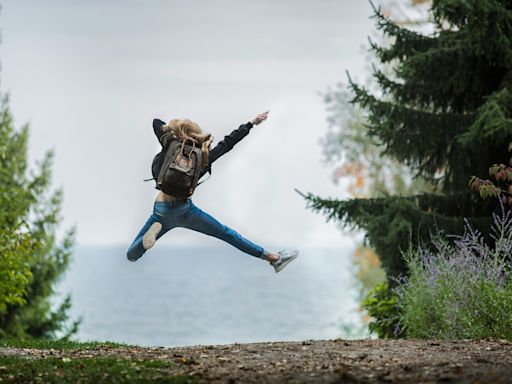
323,361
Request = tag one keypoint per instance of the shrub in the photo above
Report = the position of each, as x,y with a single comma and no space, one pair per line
462,289
382,305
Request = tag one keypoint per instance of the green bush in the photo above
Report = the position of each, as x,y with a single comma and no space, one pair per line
382,305
461,290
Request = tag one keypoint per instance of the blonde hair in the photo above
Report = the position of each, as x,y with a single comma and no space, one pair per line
185,129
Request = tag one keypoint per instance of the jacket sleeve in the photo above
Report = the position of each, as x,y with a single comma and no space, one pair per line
157,128
228,143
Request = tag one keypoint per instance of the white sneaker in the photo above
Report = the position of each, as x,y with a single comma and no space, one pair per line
285,257
150,236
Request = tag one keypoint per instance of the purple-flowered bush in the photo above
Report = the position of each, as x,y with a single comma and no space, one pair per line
462,289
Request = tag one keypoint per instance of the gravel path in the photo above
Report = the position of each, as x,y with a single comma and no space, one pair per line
323,361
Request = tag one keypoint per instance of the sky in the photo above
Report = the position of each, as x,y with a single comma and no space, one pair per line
90,76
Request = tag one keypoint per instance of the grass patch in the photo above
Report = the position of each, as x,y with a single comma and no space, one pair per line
56,344
87,370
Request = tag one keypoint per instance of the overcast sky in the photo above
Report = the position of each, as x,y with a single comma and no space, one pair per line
89,76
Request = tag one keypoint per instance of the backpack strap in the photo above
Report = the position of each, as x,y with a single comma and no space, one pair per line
210,175
183,146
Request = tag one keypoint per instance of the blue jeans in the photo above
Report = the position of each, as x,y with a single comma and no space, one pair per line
183,213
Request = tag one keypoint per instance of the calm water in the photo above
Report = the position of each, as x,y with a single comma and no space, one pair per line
185,296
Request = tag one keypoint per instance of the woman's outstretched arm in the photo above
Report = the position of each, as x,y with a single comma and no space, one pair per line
234,137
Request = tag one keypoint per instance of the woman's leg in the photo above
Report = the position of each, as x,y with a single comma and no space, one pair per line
200,221
137,249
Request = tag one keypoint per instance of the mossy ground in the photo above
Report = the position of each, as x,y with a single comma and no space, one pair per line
56,344
96,369
91,370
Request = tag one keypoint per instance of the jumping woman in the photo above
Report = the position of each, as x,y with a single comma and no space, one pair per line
185,157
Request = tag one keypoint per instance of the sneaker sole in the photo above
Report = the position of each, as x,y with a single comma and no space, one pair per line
281,267
149,238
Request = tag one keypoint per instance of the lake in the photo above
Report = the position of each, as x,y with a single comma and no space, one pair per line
175,296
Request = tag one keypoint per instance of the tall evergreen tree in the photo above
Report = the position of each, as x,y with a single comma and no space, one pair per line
31,258
15,244
445,112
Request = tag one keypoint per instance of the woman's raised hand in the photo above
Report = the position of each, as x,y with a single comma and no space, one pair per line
261,117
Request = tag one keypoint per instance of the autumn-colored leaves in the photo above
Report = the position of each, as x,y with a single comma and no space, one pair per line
501,188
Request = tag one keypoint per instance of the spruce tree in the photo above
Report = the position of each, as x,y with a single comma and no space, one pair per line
445,112
31,258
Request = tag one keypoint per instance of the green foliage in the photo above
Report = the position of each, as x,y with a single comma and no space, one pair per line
359,160
462,290
395,223
433,114
358,155
15,273
32,259
88,370
445,113
382,305
15,244
60,344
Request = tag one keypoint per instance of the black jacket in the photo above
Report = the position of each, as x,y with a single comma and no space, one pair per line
220,149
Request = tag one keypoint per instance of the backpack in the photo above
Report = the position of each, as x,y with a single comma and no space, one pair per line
180,169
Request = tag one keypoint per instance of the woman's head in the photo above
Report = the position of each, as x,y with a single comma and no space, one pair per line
186,129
